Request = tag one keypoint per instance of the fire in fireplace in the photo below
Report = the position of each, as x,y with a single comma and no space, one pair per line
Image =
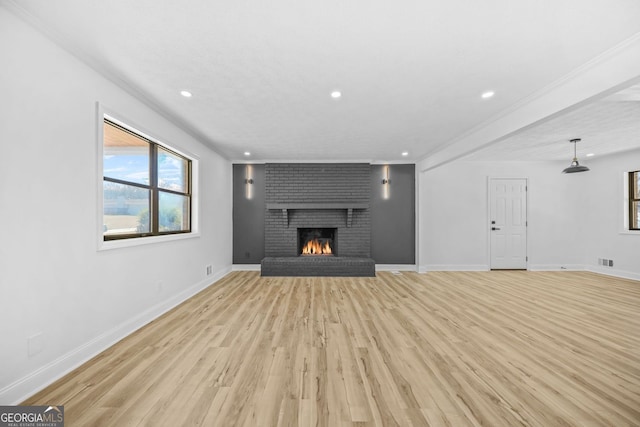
316,241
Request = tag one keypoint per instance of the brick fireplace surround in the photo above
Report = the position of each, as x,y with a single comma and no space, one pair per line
309,195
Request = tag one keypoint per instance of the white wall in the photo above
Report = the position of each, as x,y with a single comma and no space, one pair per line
454,221
604,234
53,281
574,219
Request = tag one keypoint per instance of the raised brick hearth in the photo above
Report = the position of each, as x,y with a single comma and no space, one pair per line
318,266
309,195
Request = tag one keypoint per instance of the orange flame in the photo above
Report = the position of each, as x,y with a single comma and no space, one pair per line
314,247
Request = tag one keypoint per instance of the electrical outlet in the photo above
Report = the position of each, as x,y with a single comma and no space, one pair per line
610,263
209,270
605,261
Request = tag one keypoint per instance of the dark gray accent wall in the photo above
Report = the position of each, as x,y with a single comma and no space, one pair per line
384,232
317,183
248,215
393,219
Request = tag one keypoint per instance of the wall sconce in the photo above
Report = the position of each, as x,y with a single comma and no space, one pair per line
248,182
386,183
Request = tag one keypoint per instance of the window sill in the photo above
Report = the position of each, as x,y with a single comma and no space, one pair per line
139,241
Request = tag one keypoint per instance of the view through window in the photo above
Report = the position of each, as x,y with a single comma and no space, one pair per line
634,200
146,186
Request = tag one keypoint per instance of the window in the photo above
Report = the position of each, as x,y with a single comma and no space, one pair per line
146,186
634,200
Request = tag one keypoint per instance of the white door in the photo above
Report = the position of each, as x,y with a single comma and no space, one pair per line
508,223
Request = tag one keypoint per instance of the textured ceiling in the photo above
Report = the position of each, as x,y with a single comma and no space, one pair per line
605,127
411,72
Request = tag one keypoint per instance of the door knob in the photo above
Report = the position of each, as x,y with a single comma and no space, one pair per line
495,228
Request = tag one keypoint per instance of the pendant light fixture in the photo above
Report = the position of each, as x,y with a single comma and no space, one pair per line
575,166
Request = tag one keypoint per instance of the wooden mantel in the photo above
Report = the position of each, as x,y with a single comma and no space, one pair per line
286,207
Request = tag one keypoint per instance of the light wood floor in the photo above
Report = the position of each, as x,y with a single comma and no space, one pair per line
438,349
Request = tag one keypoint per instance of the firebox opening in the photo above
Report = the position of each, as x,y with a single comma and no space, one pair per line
317,241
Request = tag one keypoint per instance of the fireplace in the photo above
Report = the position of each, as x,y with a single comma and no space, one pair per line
317,220
317,242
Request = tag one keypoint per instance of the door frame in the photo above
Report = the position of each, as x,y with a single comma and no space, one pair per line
488,217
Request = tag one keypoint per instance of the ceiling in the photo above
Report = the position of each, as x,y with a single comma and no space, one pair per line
411,73
606,126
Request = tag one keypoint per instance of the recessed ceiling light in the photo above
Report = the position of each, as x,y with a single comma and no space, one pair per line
488,94
185,93
405,153
336,94
247,153
590,154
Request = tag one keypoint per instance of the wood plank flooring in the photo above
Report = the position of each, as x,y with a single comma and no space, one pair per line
439,349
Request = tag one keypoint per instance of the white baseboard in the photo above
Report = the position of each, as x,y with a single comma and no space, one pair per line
539,267
245,267
555,267
396,267
613,272
608,271
27,386
453,267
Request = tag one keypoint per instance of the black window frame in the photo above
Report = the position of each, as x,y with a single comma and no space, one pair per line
153,187
633,190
